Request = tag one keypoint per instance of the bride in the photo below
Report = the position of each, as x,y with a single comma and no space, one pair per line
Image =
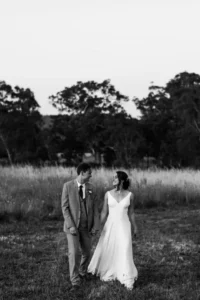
113,256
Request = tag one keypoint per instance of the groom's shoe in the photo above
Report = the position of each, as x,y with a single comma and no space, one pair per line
75,288
85,277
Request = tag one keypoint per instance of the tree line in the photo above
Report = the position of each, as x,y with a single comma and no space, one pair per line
91,118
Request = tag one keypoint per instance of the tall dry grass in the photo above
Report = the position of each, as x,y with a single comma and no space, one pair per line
28,191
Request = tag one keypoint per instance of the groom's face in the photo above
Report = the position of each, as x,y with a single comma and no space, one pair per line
86,175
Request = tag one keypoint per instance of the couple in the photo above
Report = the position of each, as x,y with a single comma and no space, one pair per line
113,257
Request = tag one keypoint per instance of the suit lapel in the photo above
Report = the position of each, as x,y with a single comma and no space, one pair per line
86,197
76,194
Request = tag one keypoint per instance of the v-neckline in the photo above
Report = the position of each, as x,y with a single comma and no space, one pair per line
120,200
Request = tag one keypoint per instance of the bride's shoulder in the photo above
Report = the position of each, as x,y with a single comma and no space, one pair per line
111,191
131,195
107,194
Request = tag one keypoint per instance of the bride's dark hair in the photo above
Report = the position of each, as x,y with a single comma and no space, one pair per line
122,176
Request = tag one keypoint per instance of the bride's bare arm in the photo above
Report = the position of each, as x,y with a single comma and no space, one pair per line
132,215
104,212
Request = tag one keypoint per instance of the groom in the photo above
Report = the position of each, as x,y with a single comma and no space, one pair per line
81,221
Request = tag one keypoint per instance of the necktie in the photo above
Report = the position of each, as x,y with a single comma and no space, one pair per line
81,195
81,191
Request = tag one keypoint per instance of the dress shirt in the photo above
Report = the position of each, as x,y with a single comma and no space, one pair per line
83,185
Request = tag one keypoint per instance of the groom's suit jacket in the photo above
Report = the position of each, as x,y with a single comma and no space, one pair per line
71,206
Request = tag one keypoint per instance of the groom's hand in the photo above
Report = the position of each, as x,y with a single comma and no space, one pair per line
73,230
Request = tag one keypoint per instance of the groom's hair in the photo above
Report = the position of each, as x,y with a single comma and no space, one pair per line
83,167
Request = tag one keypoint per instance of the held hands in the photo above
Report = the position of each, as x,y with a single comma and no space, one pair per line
93,232
73,230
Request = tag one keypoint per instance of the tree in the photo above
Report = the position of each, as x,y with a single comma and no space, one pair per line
85,96
159,123
184,90
171,120
64,138
19,121
5,119
88,104
124,136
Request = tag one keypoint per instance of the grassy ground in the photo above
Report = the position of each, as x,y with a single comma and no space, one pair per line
33,248
34,263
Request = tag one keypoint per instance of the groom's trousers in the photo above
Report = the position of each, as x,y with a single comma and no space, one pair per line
79,248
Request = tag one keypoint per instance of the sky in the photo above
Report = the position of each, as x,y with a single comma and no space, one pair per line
47,45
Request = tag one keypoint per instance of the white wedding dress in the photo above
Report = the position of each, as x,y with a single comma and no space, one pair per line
113,256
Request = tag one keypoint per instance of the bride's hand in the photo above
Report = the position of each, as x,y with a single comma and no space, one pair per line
73,230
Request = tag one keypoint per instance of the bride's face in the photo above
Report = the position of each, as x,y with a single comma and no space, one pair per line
115,180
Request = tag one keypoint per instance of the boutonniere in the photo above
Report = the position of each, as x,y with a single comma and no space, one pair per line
89,191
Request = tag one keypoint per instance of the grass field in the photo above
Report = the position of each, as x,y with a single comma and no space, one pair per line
33,247
31,192
167,254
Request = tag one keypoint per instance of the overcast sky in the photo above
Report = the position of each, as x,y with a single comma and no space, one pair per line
47,45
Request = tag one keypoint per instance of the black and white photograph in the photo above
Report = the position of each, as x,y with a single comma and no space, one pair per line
100,150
